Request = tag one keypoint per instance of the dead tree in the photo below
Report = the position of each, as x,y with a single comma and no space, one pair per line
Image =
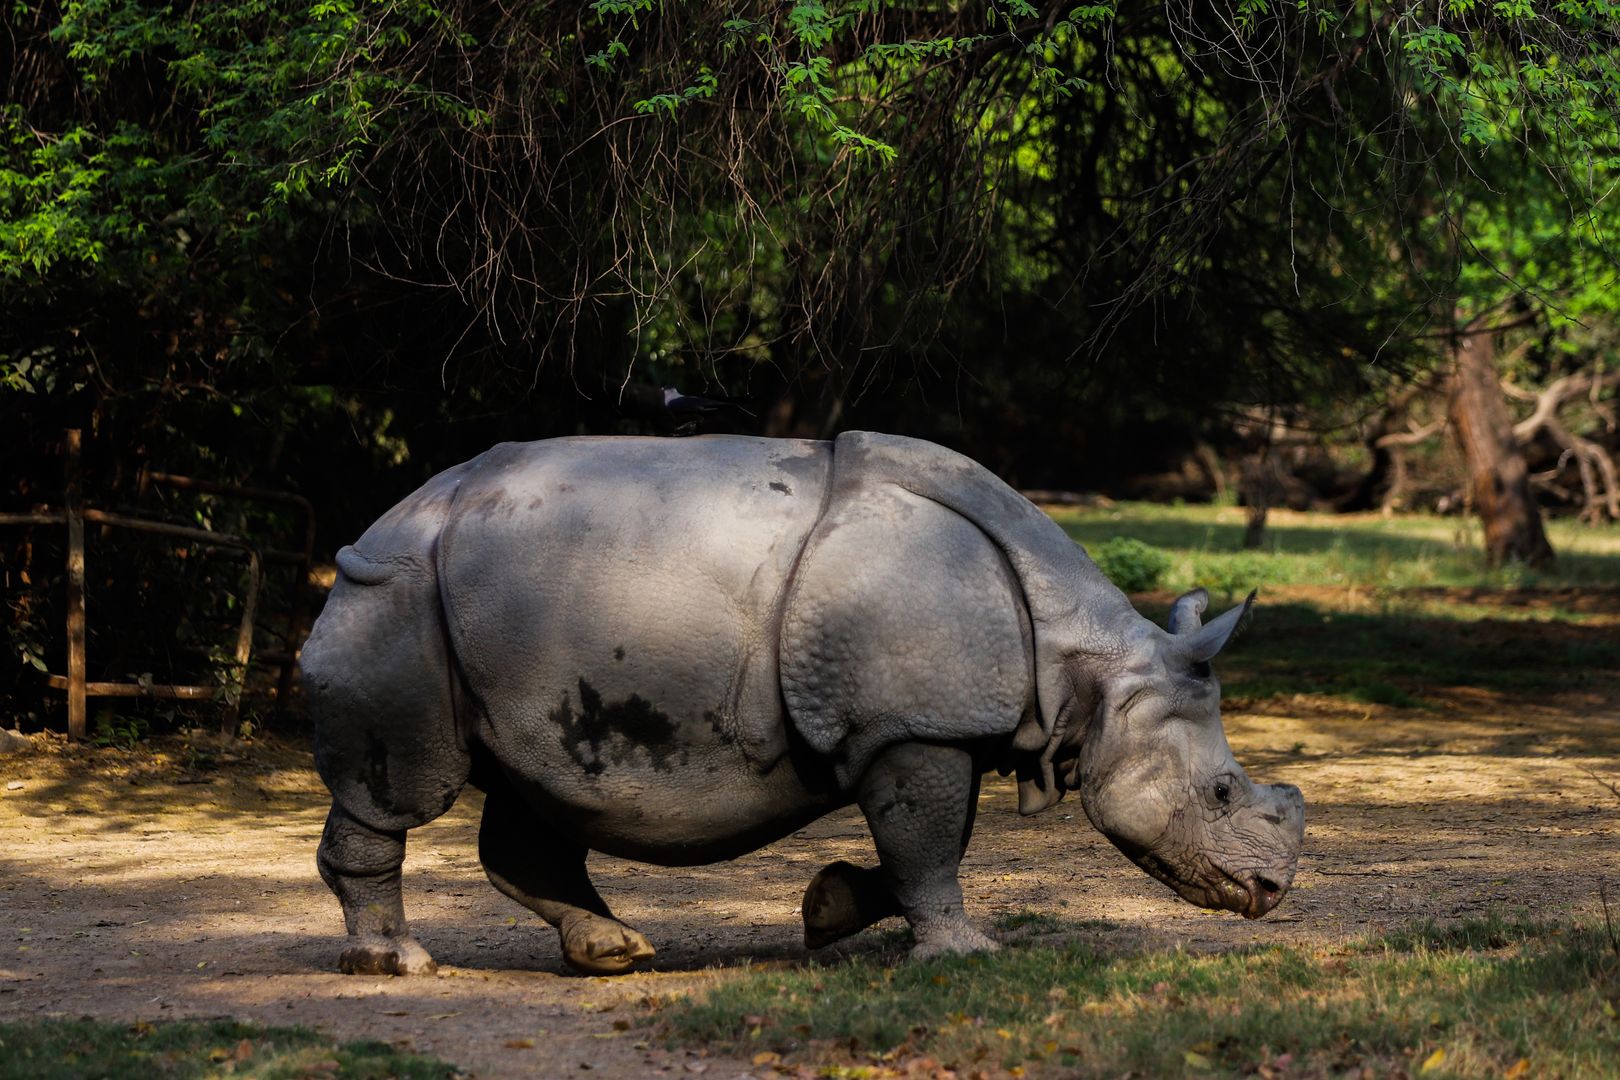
1600,483
1386,434
1395,444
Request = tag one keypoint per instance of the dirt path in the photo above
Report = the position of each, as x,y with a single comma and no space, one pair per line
128,893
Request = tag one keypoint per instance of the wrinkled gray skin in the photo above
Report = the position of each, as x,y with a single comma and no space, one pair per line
681,650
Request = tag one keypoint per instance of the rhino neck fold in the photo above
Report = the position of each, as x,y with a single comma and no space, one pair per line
1077,617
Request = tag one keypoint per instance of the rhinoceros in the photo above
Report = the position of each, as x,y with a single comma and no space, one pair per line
680,650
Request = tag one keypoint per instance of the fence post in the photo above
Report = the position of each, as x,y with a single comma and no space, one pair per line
74,494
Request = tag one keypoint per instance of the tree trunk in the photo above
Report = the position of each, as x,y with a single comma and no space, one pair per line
1374,487
1395,493
1498,478
1256,488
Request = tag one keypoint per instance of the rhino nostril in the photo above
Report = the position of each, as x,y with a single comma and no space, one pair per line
1267,885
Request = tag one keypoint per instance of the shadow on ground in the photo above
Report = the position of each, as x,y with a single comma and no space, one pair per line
132,895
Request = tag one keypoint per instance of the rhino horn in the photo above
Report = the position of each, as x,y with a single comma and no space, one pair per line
1201,643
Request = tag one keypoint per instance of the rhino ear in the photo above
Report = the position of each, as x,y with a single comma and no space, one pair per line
1185,612
1201,646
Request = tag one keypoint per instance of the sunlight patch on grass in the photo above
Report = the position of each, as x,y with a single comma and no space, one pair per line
1383,611
1470,999
1409,551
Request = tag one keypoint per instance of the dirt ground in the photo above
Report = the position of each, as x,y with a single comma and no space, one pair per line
133,889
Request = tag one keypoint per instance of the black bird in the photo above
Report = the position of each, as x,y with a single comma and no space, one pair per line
670,412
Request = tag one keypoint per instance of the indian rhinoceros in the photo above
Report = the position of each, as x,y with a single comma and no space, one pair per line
678,651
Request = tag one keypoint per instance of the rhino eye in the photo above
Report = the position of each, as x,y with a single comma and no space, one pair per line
1223,793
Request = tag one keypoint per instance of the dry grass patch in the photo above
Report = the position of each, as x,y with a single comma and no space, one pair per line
1481,998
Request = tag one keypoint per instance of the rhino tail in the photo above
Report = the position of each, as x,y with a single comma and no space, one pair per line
379,676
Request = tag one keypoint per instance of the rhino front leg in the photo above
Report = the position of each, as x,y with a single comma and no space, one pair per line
844,899
526,860
362,866
919,801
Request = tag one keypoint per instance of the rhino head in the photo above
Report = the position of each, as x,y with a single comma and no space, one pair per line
1156,776
1122,711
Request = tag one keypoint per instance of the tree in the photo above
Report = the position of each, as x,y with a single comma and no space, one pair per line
1499,480
1149,209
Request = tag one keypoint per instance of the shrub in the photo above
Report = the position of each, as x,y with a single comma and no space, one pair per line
1236,573
1131,564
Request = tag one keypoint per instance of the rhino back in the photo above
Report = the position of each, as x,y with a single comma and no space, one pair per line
613,605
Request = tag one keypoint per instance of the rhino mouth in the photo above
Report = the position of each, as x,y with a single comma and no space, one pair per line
1253,894
1262,893
1250,893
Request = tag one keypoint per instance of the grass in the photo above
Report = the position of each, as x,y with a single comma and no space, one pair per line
1387,611
182,1049
1474,999
1396,657
1365,550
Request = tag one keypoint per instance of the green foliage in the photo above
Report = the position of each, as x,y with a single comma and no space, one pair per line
123,731
1488,993
1233,574
279,113
183,1049
287,98
1131,564
342,114
47,189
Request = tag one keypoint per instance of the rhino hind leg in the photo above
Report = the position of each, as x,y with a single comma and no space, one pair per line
362,866
919,800
526,861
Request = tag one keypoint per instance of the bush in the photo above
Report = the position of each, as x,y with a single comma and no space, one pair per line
1235,573
1131,564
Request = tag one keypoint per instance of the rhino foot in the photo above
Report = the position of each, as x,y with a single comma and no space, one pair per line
599,946
387,956
844,899
950,941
